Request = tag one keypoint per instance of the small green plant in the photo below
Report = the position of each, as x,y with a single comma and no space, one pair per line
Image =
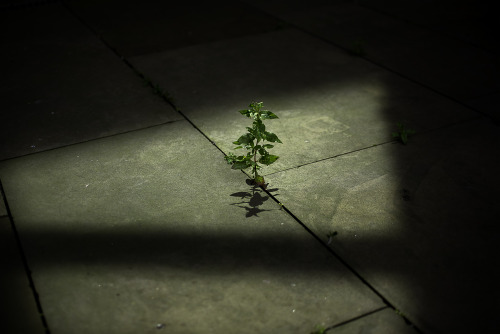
402,133
253,142
401,314
319,330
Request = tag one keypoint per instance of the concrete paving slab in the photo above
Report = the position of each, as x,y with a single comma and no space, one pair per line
416,221
61,85
448,65
329,103
466,20
18,310
140,27
382,322
151,230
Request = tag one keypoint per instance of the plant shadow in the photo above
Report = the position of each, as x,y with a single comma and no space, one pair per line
252,200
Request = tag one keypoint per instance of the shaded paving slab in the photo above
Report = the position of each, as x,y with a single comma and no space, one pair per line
328,102
448,65
18,310
467,20
418,222
140,27
151,229
61,85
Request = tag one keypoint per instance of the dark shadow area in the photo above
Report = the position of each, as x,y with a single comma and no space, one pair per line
252,199
470,21
202,253
134,30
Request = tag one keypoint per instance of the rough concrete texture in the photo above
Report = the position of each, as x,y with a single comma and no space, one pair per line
384,321
64,86
416,221
151,227
18,310
329,102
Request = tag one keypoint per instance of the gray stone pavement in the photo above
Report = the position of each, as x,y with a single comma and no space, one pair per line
119,213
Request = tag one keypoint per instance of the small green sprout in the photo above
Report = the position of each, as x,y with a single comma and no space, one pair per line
319,330
253,142
401,314
402,133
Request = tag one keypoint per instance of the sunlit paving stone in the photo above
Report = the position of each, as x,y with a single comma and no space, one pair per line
152,229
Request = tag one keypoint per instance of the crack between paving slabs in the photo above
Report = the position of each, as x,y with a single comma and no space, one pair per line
356,318
446,126
90,140
25,262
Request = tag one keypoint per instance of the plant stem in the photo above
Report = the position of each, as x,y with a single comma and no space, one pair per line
255,160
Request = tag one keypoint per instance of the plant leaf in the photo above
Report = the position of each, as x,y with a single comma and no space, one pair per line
268,159
245,112
269,136
404,137
267,114
245,139
240,165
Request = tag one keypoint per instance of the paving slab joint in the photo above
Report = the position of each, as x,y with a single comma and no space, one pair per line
355,318
408,323
25,262
170,101
335,156
156,88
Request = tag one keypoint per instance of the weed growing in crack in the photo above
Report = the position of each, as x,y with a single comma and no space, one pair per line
158,91
319,330
253,142
402,133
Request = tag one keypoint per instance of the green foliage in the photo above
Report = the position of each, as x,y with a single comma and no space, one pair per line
253,142
402,133
319,330
398,312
